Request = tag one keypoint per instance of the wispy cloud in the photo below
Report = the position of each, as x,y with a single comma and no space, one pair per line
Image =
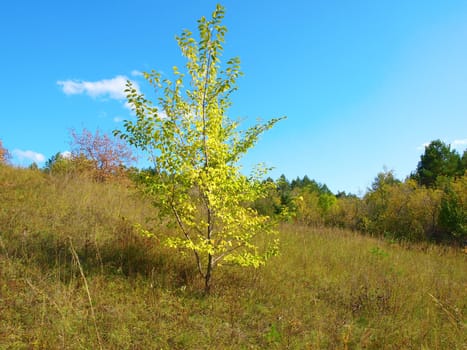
423,146
112,88
66,154
454,144
459,143
129,106
136,73
28,156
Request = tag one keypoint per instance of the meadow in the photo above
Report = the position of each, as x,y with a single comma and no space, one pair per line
76,274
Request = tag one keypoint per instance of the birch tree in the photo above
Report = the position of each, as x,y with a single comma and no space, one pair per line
195,149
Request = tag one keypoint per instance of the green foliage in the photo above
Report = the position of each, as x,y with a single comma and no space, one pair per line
195,149
284,189
376,251
403,211
464,161
394,209
453,213
438,161
391,208
271,204
58,164
384,179
433,209
326,202
305,200
273,336
350,213
71,166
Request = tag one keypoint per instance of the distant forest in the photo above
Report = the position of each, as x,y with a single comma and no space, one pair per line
429,205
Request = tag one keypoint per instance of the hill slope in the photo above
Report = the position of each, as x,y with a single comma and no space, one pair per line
75,274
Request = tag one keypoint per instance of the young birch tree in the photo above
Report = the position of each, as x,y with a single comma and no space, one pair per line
195,148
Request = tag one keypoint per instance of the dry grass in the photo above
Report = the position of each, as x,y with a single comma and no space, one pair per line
329,289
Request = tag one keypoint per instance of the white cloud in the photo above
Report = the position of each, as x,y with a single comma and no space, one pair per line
423,146
162,114
113,88
129,106
118,119
136,73
29,156
455,144
66,154
459,143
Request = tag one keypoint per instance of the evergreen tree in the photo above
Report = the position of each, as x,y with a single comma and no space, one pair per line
438,160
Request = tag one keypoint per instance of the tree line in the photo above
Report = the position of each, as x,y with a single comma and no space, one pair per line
429,205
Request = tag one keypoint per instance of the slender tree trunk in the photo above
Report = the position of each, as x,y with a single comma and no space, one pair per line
207,277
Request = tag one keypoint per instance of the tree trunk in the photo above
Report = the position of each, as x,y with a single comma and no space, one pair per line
207,277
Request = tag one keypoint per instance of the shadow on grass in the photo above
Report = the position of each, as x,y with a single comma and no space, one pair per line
126,254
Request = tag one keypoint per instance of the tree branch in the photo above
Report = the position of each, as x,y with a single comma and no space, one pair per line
185,233
224,254
203,111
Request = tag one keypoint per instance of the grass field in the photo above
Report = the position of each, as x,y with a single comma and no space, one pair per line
74,274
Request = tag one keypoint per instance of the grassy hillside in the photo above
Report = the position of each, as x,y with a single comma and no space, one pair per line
74,274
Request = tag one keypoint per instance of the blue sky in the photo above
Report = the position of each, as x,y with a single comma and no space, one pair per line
364,84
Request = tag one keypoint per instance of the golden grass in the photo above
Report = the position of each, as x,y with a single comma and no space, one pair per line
329,289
